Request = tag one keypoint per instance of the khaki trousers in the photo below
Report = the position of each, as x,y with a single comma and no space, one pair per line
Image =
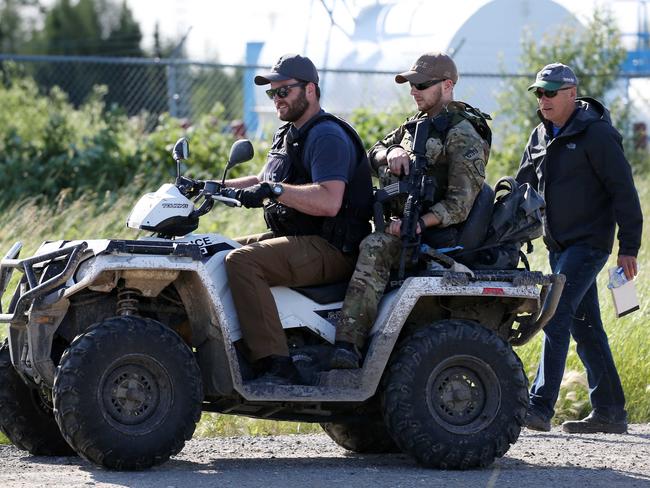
279,261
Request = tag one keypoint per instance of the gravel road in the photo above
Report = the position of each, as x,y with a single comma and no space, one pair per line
551,459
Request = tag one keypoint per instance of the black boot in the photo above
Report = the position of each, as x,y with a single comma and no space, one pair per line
594,423
281,371
345,356
535,421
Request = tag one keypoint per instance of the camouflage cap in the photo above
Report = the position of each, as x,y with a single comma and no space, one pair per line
430,66
554,76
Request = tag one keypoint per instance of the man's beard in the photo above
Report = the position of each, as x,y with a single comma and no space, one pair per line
434,103
296,109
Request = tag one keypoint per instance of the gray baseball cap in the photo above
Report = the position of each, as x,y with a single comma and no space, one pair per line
290,66
554,76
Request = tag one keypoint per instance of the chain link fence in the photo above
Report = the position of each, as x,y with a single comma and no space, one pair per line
189,90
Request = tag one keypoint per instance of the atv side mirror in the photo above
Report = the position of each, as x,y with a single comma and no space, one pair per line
241,151
181,149
180,152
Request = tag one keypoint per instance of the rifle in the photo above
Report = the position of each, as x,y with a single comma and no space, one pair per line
420,189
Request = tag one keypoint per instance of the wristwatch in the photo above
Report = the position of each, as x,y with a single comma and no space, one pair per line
277,189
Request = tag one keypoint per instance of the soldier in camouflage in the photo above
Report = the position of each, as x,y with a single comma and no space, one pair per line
456,155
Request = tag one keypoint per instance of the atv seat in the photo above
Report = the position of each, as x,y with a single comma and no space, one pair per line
472,232
322,294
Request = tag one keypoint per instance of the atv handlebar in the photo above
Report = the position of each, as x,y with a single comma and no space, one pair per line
230,201
210,191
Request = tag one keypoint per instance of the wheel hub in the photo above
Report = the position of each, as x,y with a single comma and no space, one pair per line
463,394
131,394
458,395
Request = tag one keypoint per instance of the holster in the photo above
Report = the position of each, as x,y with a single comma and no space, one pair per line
345,233
285,221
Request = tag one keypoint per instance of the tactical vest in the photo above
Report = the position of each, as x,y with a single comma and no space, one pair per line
440,126
285,164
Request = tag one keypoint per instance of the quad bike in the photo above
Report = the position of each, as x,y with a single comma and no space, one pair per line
115,347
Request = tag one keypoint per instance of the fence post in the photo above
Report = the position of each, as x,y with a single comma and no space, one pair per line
172,84
253,50
172,93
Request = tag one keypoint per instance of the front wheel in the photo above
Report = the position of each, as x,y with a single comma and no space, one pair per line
128,393
455,395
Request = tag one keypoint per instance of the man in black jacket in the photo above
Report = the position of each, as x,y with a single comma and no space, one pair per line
575,159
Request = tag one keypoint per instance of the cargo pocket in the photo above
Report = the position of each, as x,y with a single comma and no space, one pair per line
306,265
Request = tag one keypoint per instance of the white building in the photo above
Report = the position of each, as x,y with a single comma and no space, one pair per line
484,37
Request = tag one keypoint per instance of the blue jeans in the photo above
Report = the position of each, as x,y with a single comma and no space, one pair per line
578,315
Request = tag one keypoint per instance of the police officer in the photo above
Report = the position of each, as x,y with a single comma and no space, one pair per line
456,156
316,192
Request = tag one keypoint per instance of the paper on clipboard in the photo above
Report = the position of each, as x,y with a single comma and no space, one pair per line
623,292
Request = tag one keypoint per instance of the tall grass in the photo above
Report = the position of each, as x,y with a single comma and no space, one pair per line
105,216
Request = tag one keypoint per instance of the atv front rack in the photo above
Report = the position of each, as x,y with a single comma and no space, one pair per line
33,289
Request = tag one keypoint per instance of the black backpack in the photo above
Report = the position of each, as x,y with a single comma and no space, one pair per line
516,219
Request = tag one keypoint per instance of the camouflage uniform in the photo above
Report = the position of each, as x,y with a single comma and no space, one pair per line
457,162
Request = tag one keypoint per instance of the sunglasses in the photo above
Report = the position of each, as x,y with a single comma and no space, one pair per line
549,93
283,91
425,85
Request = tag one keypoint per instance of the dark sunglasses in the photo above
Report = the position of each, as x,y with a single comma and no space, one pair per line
283,91
549,93
425,85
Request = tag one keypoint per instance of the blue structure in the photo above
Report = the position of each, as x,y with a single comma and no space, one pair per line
253,50
638,60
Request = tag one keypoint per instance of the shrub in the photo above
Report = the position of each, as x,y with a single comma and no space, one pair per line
48,148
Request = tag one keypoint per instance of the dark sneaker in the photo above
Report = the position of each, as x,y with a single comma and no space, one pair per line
281,372
535,421
594,423
345,356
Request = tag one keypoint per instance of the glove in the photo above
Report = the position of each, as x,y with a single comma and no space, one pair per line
188,186
254,196
229,192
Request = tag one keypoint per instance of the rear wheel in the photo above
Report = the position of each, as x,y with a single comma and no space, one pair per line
362,435
128,393
26,416
455,395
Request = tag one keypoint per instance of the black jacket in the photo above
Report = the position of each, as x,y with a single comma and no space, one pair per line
586,182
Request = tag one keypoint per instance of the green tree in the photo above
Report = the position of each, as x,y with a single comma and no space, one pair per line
124,36
87,28
594,52
373,126
14,28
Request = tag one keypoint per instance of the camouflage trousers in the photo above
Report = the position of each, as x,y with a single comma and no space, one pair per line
378,253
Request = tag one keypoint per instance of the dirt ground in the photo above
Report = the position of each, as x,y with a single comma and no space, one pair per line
553,459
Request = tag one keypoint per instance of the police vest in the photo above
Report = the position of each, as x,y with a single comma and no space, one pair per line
285,164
